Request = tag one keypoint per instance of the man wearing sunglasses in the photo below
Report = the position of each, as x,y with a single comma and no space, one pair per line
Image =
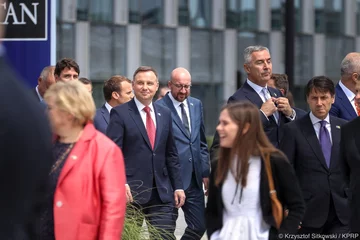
189,133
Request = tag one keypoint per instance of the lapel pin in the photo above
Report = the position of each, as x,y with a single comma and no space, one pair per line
338,126
191,104
275,95
159,114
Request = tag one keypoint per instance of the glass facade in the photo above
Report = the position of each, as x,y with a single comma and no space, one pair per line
146,11
101,11
65,40
200,13
329,16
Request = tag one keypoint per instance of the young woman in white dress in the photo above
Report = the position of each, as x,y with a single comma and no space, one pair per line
239,206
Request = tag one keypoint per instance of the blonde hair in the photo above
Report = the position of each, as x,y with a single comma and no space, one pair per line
73,97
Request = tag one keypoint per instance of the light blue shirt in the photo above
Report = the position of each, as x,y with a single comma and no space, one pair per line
316,124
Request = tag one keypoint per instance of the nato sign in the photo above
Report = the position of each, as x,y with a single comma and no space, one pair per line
30,40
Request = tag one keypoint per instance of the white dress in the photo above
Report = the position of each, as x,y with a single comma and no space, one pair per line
242,219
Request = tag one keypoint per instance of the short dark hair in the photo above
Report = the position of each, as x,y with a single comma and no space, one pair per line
113,85
66,63
144,69
321,84
85,81
281,82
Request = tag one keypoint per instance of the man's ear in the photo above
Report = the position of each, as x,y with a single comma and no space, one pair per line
282,91
39,80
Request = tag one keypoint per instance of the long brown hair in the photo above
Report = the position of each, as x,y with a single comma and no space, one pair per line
252,143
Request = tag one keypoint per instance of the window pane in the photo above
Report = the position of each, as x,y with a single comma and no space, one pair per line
303,59
101,11
200,56
158,46
65,40
358,17
83,10
100,52
152,11
58,9
232,14
134,11
329,16
217,56
248,15
183,12
200,13
119,51
277,15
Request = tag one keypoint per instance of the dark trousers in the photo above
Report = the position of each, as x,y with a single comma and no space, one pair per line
194,211
159,216
332,227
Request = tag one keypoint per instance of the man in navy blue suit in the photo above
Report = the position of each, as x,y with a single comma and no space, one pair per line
143,131
275,109
189,133
117,90
344,106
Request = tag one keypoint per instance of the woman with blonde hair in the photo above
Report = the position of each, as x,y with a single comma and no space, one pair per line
239,203
86,195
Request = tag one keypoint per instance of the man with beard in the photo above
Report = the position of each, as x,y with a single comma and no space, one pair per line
275,109
189,133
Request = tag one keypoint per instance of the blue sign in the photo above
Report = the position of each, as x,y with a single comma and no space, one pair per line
30,39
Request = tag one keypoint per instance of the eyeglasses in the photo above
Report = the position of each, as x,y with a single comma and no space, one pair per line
180,86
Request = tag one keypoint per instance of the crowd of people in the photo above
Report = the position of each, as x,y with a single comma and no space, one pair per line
70,171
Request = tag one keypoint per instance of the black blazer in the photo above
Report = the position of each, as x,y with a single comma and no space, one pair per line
102,119
288,192
317,181
350,153
26,157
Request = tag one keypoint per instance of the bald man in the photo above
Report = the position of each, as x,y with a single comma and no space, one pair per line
344,106
189,133
26,154
45,80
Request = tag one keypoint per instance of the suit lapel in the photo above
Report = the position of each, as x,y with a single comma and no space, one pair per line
335,137
344,101
175,115
159,125
105,114
192,117
135,114
310,136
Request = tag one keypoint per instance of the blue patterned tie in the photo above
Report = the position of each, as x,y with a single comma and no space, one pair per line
324,139
267,96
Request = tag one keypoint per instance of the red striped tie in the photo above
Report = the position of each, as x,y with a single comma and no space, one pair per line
150,127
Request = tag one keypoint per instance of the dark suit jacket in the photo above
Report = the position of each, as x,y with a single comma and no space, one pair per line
26,156
317,181
342,107
271,128
288,192
144,166
193,150
350,153
102,118
34,93
299,112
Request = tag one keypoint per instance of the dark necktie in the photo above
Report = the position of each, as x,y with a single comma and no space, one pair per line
324,139
267,96
184,118
150,127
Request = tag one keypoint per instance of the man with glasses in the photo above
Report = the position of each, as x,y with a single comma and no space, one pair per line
117,90
189,133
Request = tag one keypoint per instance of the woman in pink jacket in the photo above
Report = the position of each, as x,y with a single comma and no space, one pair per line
86,196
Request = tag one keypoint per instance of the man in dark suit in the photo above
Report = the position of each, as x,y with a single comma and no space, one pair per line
275,109
45,80
189,133
281,82
117,90
350,153
26,154
144,133
312,146
344,106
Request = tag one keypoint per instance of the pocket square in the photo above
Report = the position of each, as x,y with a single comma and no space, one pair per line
338,126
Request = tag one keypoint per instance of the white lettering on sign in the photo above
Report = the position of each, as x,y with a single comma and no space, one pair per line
11,13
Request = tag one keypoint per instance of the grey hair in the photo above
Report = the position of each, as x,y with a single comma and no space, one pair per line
45,72
249,50
350,64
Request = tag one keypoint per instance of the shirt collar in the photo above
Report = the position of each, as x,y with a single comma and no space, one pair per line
108,106
315,120
37,91
176,102
256,87
141,106
349,94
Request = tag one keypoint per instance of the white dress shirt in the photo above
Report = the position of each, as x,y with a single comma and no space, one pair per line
316,124
108,106
140,107
349,94
177,106
37,91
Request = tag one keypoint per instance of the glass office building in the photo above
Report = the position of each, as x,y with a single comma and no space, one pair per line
207,37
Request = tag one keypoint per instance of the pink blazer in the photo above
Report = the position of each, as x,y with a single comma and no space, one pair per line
90,200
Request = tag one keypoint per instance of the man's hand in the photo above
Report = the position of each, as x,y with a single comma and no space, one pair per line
284,106
179,196
129,197
268,107
206,185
